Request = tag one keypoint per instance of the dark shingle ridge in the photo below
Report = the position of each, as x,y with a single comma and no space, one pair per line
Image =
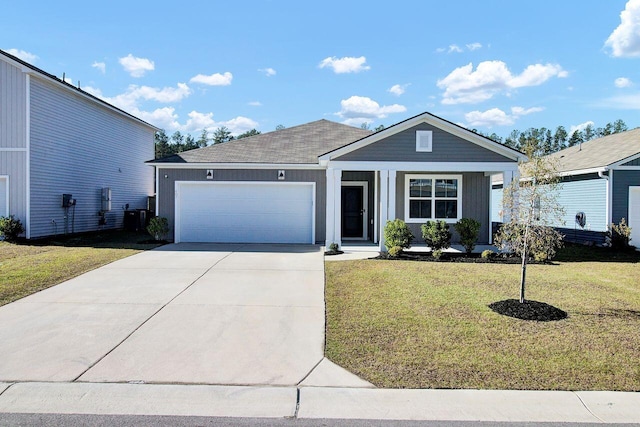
301,144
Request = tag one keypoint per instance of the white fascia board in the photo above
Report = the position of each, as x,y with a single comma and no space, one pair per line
426,166
618,164
289,166
584,171
434,121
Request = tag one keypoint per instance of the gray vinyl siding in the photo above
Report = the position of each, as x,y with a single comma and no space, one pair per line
401,147
79,147
475,204
12,107
622,180
634,162
13,140
13,165
168,177
584,193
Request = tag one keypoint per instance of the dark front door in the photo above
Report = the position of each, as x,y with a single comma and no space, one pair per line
352,212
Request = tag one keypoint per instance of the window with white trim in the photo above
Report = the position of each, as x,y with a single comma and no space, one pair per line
431,197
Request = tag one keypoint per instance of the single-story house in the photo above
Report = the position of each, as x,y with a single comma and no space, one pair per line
326,182
600,186
69,162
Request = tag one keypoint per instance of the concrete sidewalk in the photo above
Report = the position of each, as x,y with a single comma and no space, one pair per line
321,402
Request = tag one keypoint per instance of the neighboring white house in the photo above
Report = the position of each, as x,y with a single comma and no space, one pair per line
56,140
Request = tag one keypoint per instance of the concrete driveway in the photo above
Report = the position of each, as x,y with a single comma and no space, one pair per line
185,313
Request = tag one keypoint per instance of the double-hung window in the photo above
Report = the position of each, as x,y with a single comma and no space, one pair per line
433,197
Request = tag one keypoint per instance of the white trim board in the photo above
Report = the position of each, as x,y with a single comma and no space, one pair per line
7,183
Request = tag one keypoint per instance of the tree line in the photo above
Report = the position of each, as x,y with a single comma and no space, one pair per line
545,141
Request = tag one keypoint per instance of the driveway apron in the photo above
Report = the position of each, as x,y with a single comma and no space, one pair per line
184,313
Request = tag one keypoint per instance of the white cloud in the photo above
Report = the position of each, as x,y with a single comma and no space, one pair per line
239,124
136,67
23,54
474,46
489,118
497,117
464,85
268,71
622,82
164,118
454,48
129,100
441,50
359,109
398,90
255,103
345,65
624,41
580,127
216,79
199,121
100,66
629,101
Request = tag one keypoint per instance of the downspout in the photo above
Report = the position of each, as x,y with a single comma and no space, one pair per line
608,208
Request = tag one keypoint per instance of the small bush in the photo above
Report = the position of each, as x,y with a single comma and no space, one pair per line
436,234
468,229
395,251
10,228
488,254
397,233
158,228
620,235
437,254
333,247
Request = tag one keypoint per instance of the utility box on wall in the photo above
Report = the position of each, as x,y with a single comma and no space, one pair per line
106,199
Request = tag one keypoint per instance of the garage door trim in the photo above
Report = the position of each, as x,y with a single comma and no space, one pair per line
180,184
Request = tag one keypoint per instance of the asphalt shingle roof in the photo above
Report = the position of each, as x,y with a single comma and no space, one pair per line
295,145
599,152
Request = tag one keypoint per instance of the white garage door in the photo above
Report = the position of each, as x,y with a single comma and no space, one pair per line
245,212
634,215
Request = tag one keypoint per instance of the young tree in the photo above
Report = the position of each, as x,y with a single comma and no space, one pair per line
532,205
222,134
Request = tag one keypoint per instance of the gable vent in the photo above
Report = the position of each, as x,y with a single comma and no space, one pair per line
424,140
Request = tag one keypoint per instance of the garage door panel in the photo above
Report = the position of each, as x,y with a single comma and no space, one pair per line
245,212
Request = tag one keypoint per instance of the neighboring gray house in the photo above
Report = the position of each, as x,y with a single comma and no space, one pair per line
56,139
328,182
601,179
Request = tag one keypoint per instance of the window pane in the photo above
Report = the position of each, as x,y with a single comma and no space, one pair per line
420,209
419,188
446,188
446,209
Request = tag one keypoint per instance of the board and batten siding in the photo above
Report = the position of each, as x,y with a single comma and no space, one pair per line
13,142
622,180
401,147
79,147
475,203
168,177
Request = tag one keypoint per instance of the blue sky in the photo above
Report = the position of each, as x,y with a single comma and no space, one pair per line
490,65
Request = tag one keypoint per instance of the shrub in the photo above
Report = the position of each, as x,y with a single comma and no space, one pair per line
10,228
158,228
468,229
488,254
397,233
436,234
395,251
620,235
437,254
333,247
542,244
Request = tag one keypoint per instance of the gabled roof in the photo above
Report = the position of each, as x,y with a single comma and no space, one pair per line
35,70
295,145
599,153
433,120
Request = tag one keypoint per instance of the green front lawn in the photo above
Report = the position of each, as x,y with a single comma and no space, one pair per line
404,324
26,268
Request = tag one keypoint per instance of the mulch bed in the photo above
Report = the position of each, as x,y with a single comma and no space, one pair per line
457,257
528,310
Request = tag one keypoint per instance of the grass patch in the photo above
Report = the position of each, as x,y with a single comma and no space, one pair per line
402,324
31,266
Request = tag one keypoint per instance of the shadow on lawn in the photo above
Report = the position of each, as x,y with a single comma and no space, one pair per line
581,253
114,239
528,310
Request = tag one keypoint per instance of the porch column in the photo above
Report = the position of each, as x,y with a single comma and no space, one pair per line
337,215
508,178
384,208
330,208
392,196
